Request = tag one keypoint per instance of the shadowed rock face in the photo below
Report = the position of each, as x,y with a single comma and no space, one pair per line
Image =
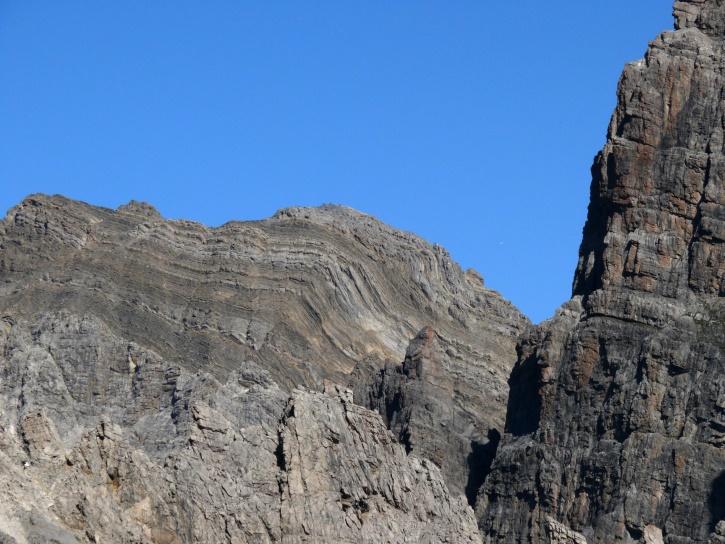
433,404
616,427
151,374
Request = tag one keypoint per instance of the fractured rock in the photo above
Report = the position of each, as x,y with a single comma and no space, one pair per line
615,422
441,409
164,455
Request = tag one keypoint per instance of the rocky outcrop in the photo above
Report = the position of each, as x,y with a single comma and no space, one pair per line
141,359
559,534
438,406
615,422
102,440
307,294
346,479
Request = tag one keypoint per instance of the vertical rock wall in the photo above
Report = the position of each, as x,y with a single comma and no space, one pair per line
616,419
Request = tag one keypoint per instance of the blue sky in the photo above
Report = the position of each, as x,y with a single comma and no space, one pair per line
471,123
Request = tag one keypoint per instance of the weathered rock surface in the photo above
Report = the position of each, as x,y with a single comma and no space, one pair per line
150,378
102,440
616,426
307,294
162,381
437,407
560,534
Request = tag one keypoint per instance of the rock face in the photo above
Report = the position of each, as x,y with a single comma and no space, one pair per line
104,441
306,294
436,405
161,381
616,420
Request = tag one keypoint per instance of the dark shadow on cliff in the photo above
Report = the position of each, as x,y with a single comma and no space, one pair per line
586,280
479,464
524,405
716,500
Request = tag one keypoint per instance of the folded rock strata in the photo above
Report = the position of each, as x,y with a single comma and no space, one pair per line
159,378
307,294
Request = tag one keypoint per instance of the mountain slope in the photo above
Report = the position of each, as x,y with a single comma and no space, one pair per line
102,440
309,293
142,358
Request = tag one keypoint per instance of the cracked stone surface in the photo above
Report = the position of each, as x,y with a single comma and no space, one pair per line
432,404
102,440
615,426
310,295
162,381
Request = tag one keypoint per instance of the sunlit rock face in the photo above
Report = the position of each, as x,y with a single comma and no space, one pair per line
308,293
162,381
104,441
616,419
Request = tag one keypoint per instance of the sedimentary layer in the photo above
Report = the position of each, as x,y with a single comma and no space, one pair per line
165,381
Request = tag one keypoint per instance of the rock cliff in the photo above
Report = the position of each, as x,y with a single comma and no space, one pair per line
308,294
102,440
434,404
616,418
162,381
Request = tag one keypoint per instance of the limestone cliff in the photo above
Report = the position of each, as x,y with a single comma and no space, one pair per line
616,419
102,440
162,381
308,294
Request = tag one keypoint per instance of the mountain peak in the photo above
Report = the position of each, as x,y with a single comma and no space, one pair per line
705,15
140,208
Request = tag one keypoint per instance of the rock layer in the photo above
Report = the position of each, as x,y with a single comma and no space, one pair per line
307,294
615,420
138,449
141,359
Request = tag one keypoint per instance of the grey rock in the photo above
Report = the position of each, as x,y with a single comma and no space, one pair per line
309,295
560,534
346,476
102,440
615,426
718,535
442,408
162,381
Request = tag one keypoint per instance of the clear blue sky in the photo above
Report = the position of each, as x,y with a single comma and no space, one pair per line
471,123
